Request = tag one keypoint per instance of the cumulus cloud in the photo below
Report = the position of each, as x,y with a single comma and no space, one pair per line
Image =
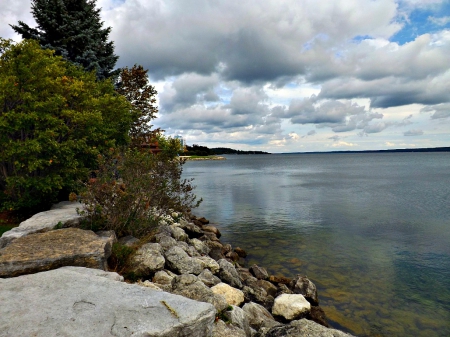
439,110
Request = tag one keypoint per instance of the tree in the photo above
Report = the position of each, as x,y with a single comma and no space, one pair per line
55,119
133,85
73,29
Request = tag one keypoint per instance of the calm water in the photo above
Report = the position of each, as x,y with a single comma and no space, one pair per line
371,230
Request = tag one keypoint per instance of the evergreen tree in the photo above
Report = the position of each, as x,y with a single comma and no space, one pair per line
73,29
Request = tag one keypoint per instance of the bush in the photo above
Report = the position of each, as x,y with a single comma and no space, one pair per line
55,119
133,190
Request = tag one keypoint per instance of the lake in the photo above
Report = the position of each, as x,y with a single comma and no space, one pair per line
371,230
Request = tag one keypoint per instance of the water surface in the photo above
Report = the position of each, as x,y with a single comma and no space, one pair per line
371,230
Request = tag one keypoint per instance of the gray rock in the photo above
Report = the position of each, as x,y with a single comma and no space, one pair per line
221,329
303,285
190,286
50,250
238,317
166,241
64,302
268,287
259,296
63,213
212,229
304,327
178,234
191,230
291,306
128,241
200,246
180,262
148,259
259,272
208,278
229,274
95,272
209,263
258,316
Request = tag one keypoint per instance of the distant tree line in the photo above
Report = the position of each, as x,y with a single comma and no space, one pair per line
198,150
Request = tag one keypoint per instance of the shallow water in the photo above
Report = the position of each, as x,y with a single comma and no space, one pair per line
371,230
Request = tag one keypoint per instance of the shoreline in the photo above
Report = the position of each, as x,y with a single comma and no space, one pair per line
190,158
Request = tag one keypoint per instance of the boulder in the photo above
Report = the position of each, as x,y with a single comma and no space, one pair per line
232,295
65,302
178,234
303,285
148,259
258,316
128,241
200,246
229,274
280,279
259,272
239,251
63,214
191,230
268,287
207,277
190,286
232,256
221,329
304,327
50,250
163,279
237,317
180,262
212,229
291,306
259,296
166,241
209,263
318,315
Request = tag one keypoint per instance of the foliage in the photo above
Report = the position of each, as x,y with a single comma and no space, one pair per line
74,30
120,255
133,190
54,120
133,85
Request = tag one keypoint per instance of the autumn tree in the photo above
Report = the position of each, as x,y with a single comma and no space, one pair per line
55,119
134,85
73,29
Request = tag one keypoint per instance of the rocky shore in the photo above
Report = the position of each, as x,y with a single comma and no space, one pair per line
55,280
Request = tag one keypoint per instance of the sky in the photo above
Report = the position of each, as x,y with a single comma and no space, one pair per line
287,75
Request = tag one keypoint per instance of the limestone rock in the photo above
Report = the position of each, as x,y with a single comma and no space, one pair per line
229,274
268,287
259,272
232,295
179,261
304,327
148,259
178,234
291,306
221,329
209,263
63,213
65,302
50,250
259,296
258,316
165,241
303,285
207,277
200,246
212,229
191,287
191,230
150,285
238,318
239,251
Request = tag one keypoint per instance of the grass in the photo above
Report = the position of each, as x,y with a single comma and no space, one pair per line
5,228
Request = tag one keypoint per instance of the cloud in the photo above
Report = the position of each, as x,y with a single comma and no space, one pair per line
413,133
440,110
441,21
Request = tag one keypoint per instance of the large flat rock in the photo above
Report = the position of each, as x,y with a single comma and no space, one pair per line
73,301
50,250
64,213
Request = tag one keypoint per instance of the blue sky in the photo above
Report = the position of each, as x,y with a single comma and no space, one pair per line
287,76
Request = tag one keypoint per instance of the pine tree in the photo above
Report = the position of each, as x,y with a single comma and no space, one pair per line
73,29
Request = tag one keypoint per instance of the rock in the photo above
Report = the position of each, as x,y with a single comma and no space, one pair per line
163,279
64,213
148,259
191,230
232,295
232,256
268,287
318,315
291,306
280,279
259,272
229,274
150,285
238,318
180,262
165,241
239,251
221,329
200,246
65,302
50,250
259,296
244,274
304,327
258,316
208,278
207,236
190,286
226,248
209,263
212,229
303,285
203,221
216,254
283,289
178,234
128,241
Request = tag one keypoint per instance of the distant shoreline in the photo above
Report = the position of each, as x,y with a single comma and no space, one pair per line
435,149
202,158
